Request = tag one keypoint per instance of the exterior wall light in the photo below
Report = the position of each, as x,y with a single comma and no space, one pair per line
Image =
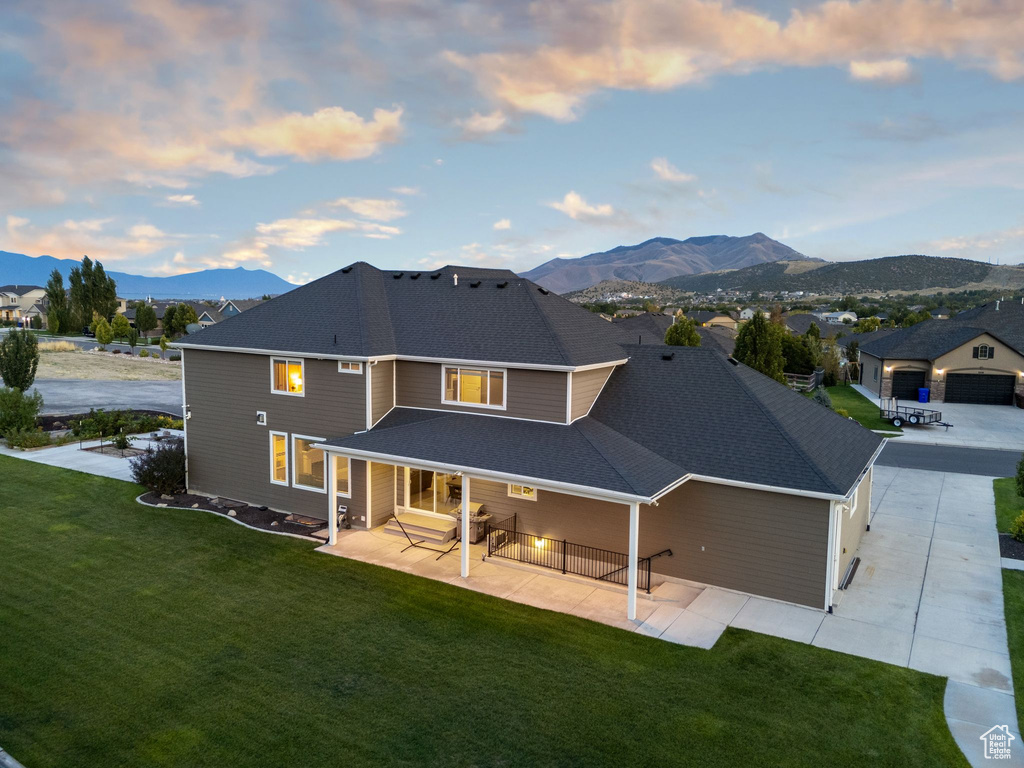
888,368
538,543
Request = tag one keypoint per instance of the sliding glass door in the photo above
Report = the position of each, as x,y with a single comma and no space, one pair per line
433,492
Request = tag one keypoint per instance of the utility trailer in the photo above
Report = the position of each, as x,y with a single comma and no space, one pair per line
889,409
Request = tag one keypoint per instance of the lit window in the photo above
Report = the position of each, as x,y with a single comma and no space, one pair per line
522,492
474,386
287,377
346,367
279,458
342,471
308,464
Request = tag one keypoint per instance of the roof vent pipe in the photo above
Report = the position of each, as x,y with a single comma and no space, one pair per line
997,305
455,279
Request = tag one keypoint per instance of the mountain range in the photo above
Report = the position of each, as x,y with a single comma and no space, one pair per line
238,283
661,258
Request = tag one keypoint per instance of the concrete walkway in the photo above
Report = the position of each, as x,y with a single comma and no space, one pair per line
974,426
72,456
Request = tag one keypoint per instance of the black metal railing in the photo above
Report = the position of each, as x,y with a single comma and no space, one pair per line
505,541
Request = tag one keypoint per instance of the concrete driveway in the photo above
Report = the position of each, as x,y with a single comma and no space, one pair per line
64,396
975,426
929,595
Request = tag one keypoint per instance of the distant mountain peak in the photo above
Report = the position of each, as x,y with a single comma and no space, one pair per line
661,258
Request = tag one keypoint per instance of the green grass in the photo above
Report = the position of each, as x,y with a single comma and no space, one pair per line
1008,504
134,636
860,408
1013,607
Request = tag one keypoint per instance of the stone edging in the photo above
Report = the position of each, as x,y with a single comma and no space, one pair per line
226,517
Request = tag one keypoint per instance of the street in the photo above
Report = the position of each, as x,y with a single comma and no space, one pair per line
968,461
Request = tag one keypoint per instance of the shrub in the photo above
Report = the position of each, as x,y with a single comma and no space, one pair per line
843,412
143,353
1017,527
58,346
27,438
115,351
161,470
174,358
821,397
18,411
122,442
19,359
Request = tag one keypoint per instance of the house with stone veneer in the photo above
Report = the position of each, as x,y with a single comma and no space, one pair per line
425,397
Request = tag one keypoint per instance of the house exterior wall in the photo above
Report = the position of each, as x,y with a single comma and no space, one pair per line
586,386
853,524
869,365
383,478
769,544
229,453
531,394
382,389
1007,361
724,322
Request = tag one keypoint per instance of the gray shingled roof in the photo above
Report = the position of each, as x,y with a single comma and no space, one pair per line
656,421
361,311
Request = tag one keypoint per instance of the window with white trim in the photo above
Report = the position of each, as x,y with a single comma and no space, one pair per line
853,502
483,387
344,366
308,464
522,492
279,458
287,376
342,472
984,352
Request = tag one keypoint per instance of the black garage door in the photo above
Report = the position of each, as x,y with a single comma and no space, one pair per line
906,383
983,388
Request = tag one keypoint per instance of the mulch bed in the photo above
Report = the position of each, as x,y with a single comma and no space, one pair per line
1010,547
109,449
257,517
49,423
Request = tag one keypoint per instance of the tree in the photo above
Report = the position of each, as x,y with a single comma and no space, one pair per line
58,314
831,362
170,321
683,333
132,337
104,291
164,343
867,325
120,326
184,316
759,345
776,315
797,355
92,292
104,334
145,318
19,359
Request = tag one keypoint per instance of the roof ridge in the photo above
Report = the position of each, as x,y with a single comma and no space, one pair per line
604,456
544,319
775,422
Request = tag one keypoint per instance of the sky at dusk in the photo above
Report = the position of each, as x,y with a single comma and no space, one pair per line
164,136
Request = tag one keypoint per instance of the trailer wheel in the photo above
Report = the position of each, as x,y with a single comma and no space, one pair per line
897,422
913,419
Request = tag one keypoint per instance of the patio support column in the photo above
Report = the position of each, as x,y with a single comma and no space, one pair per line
332,500
634,541
465,525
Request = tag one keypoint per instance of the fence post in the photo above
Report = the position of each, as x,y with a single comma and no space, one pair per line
564,548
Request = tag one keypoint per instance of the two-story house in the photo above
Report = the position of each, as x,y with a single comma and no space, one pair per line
405,393
20,303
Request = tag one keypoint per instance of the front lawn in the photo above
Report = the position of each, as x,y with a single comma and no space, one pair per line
1008,504
1013,608
859,407
151,637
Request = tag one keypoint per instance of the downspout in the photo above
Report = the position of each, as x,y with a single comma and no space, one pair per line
830,564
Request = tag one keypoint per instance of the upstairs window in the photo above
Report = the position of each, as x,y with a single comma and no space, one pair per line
287,377
984,352
484,387
347,367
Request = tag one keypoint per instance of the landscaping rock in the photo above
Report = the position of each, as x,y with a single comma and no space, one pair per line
275,523
166,497
232,513
195,506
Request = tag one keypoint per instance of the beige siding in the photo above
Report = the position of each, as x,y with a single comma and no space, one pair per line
538,395
229,453
382,492
871,365
853,525
769,544
962,360
586,386
382,389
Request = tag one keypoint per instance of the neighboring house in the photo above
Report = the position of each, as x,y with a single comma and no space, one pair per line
709,319
719,339
861,339
942,313
839,318
19,303
421,393
747,313
799,324
975,357
646,328
233,307
206,313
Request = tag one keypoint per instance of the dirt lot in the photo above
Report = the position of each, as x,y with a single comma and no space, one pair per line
102,366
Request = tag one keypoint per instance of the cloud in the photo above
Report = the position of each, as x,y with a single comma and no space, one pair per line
72,238
668,172
968,245
327,134
658,45
371,208
477,125
575,207
890,71
184,200
407,191
297,234
503,224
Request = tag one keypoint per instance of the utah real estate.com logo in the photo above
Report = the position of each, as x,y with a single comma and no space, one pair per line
997,742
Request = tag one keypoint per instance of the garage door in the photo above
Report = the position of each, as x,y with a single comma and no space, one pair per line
983,388
906,383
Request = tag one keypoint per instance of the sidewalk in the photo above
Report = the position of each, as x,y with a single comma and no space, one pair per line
71,456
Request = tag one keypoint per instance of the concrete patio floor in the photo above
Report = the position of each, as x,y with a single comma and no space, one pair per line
71,456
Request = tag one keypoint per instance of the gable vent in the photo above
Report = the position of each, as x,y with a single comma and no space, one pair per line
398,275
435,276
415,277
668,356
475,284
502,285
346,270
543,290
